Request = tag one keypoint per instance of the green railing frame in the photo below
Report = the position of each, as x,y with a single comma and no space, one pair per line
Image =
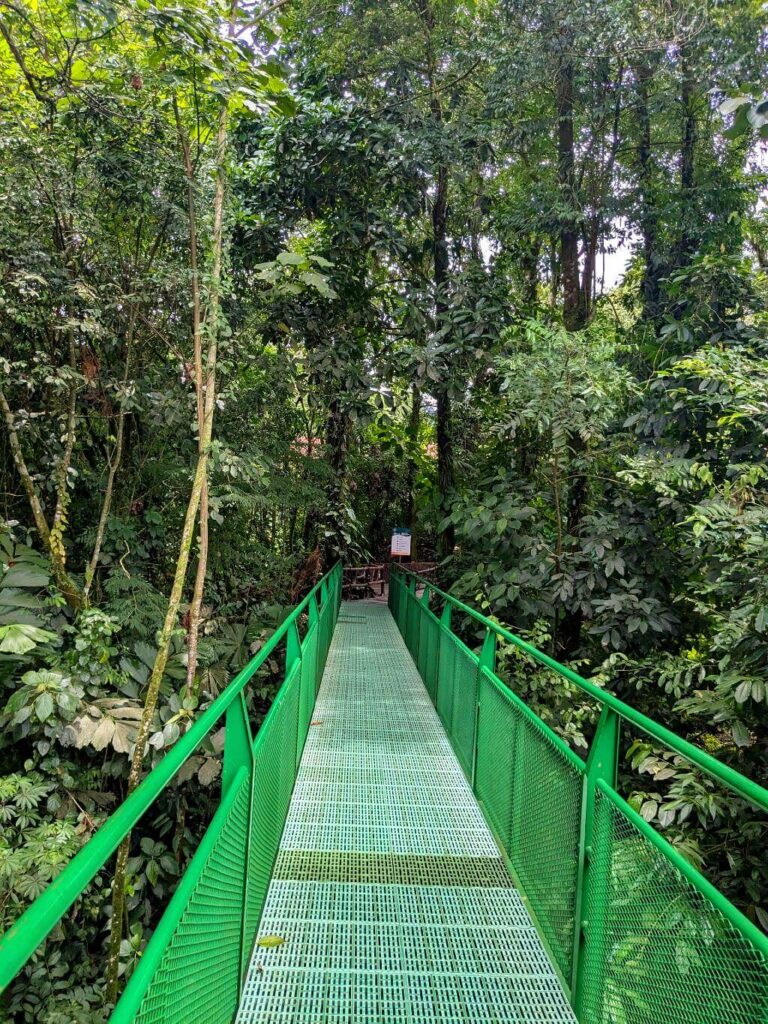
599,771
22,939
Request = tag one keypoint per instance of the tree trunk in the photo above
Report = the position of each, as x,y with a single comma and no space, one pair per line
440,262
688,242
652,270
72,593
574,313
114,463
336,440
529,263
414,422
185,546
591,239
196,604
445,477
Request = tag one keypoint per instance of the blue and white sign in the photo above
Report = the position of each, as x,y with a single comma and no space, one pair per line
401,542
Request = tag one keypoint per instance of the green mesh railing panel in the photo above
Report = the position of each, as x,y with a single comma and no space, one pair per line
457,696
273,779
446,669
464,712
429,639
198,976
637,934
531,793
325,632
657,951
402,603
309,686
393,598
412,624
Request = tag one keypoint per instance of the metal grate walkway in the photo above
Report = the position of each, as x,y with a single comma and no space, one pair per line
389,892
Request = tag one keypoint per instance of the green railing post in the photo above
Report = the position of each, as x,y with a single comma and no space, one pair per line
292,646
602,764
488,651
238,742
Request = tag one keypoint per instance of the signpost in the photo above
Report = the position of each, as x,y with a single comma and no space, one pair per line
401,542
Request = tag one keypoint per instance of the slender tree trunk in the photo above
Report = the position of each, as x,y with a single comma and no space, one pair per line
530,266
185,546
72,593
114,464
196,604
62,469
652,270
21,468
441,267
688,242
761,253
291,531
336,442
574,314
150,703
591,240
445,473
414,422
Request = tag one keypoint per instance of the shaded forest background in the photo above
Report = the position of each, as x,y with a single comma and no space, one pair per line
275,279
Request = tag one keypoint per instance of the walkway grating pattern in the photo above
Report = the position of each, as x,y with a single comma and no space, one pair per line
388,891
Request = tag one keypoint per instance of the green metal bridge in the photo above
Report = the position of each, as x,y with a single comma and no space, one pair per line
406,841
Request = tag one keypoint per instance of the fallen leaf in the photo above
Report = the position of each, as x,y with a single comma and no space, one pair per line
270,941
317,721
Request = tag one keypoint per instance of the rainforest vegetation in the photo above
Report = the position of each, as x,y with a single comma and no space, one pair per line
277,277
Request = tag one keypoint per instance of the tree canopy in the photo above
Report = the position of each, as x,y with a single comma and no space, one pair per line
276,278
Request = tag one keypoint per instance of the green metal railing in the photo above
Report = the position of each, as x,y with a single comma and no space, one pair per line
638,935
193,965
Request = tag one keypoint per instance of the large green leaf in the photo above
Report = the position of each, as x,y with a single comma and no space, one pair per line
19,638
25,576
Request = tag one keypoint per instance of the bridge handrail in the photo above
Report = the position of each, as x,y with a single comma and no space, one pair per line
21,940
600,882
734,780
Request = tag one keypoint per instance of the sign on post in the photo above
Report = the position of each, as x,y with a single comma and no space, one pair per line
401,542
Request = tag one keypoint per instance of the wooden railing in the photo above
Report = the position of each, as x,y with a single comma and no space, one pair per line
362,581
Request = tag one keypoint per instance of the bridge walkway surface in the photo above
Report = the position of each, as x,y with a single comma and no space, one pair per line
389,900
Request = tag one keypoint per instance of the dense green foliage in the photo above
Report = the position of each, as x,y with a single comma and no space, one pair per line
405,284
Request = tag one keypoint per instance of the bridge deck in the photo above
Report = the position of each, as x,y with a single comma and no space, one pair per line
388,891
